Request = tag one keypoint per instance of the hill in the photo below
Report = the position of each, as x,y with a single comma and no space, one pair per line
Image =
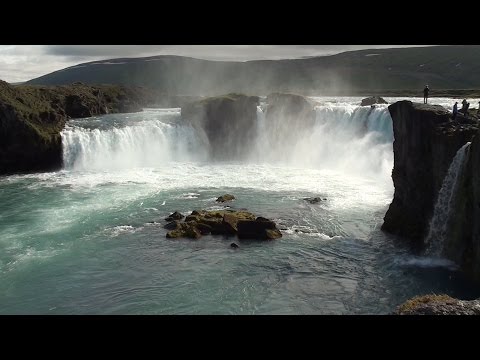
353,72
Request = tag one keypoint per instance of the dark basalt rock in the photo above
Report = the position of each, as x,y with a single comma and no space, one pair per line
372,100
185,230
224,198
425,143
261,229
233,245
227,122
314,200
174,216
173,225
226,222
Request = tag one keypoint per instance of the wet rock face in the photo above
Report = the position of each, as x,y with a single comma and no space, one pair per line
372,100
229,222
426,142
289,117
228,123
438,305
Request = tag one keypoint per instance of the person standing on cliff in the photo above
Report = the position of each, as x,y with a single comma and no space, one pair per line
425,94
455,111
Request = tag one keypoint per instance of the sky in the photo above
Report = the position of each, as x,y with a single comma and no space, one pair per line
24,62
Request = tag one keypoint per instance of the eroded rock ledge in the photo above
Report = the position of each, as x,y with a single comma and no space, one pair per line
426,140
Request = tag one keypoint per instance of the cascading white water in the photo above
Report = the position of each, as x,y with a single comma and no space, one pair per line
148,142
442,210
346,138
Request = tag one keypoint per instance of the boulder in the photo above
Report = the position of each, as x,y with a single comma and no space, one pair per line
172,225
260,229
372,100
185,230
314,200
225,222
226,197
174,216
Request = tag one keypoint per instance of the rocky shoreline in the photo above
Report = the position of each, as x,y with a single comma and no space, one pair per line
438,305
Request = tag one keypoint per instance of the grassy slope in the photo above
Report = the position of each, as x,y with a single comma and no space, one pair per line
442,67
32,117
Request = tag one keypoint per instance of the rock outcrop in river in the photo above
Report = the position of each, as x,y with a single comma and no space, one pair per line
225,222
227,122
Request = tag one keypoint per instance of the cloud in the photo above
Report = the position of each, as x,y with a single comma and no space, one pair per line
24,62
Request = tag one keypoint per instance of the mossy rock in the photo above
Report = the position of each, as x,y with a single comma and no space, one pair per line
226,197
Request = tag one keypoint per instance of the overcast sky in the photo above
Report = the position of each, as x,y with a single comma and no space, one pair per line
25,62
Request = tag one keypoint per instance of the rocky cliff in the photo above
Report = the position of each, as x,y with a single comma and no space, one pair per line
227,122
32,117
426,140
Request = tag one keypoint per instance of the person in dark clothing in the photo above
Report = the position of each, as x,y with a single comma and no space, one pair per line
464,106
425,94
455,111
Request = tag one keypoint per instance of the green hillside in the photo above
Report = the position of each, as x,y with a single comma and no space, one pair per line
442,67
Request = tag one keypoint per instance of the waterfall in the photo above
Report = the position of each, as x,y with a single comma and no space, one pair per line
443,207
146,139
345,138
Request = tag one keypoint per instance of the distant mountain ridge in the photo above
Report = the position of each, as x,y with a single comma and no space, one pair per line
442,67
